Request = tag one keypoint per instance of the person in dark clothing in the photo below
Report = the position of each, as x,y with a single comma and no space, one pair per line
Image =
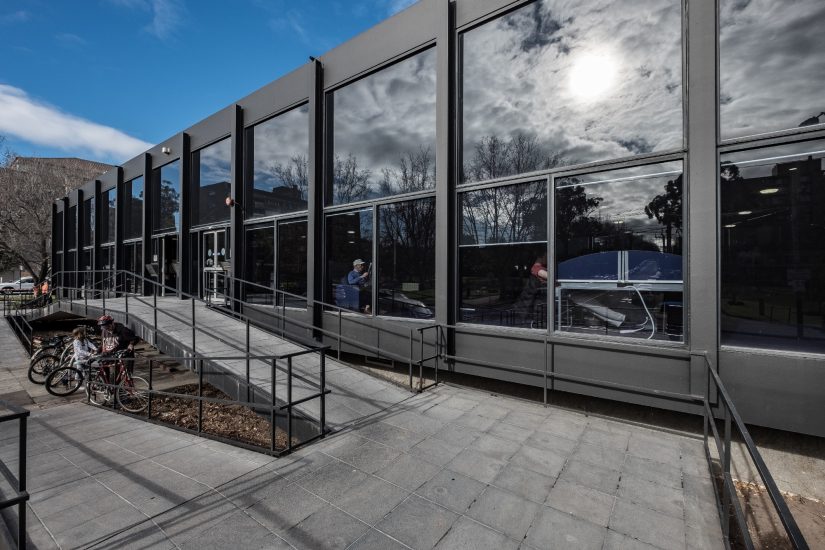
115,336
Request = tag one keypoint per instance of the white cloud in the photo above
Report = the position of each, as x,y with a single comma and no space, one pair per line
39,123
167,15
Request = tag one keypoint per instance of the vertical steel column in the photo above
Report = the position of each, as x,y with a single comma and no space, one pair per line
149,408
702,176
247,360
185,271
289,401
148,201
200,394
236,215
315,197
119,254
446,167
21,484
272,409
323,389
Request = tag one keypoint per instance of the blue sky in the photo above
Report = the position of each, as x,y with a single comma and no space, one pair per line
104,79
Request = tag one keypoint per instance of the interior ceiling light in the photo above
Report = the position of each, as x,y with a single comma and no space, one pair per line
791,169
769,190
744,212
730,225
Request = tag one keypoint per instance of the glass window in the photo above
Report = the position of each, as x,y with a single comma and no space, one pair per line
211,177
166,185
292,261
406,259
89,222
108,215
133,209
503,256
773,260
619,252
279,149
771,65
260,264
58,231
383,132
71,229
133,263
560,83
349,241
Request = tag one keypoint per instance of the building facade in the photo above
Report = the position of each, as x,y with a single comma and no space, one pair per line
607,190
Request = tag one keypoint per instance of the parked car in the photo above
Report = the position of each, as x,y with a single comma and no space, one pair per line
26,284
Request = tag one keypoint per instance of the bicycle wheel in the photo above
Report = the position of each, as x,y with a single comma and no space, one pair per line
133,394
96,390
64,381
42,367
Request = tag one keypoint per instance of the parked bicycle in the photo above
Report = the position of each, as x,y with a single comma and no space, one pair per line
130,392
41,367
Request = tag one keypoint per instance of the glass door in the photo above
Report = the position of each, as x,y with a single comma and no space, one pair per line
215,265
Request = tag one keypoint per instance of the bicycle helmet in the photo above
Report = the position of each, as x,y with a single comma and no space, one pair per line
105,320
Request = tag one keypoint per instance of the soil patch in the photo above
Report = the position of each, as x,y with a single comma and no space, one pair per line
764,525
229,421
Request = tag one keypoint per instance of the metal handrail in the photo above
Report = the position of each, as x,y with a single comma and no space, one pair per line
21,495
729,498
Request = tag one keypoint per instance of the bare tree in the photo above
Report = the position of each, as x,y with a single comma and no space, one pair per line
349,183
294,174
416,172
28,187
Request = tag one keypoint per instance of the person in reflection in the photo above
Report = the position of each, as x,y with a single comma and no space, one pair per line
531,304
358,278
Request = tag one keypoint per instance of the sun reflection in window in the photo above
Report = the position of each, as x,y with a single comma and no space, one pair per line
592,76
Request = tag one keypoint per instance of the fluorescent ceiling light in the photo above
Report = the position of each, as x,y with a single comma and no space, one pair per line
769,191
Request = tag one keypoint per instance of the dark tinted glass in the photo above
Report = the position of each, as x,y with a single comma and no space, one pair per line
279,149
771,65
558,82
58,231
211,177
349,238
71,229
89,222
503,250
166,183
133,263
260,264
773,259
108,215
133,209
292,261
383,132
406,259
619,252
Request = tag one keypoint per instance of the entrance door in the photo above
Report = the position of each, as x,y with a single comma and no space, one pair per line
215,265
165,263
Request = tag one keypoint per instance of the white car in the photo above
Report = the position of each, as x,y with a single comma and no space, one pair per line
26,284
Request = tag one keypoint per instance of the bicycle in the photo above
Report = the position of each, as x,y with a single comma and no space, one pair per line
130,392
43,366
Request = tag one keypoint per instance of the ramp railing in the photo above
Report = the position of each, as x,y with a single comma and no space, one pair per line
20,495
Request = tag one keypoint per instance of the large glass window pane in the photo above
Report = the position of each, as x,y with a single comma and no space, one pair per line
279,149
108,215
166,185
133,209
619,252
383,132
559,83
771,65
503,256
260,264
406,259
292,261
88,222
211,177
773,259
71,229
349,242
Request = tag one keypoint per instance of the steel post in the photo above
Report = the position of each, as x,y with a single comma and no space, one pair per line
289,402
272,410
200,394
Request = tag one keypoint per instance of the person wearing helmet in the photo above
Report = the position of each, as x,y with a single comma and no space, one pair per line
115,336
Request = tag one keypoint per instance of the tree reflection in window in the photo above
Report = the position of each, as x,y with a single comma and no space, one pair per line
133,209
383,132
619,252
502,254
166,183
772,258
406,259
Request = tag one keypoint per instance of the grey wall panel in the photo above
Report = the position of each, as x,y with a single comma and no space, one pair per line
212,128
287,91
776,391
158,159
133,168
393,337
109,180
391,38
